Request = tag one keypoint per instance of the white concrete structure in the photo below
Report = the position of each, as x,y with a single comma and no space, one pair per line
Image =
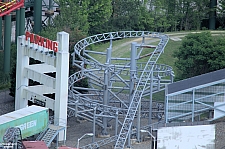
51,62
186,137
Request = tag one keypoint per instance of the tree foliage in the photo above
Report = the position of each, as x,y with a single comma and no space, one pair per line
99,12
221,12
199,54
73,14
129,15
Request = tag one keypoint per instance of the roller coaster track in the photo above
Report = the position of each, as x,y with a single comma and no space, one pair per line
138,94
94,70
9,6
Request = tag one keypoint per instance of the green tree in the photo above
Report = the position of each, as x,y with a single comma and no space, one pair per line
129,15
221,13
199,54
73,14
217,55
99,12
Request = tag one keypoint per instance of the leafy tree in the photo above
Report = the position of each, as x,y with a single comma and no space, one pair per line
129,15
145,20
199,54
73,14
217,55
99,12
178,14
221,13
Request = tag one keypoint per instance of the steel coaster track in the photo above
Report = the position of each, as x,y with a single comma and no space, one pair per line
94,66
8,7
87,101
78,76
138,94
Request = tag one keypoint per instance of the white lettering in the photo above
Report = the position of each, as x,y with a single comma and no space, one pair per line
31,124
27,125
22,126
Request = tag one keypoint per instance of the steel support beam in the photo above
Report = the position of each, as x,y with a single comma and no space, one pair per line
7,43
150,103
17,24
1,48
212,14
22,21
37,16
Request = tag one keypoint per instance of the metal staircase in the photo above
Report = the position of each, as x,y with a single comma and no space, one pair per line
138,94
49,135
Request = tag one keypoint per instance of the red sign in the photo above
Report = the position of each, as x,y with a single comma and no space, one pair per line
41,41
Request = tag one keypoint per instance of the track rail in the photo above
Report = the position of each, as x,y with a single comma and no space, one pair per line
9,6
95,72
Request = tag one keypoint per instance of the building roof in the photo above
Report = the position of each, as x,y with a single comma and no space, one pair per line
196,81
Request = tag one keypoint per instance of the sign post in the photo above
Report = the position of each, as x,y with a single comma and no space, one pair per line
54,58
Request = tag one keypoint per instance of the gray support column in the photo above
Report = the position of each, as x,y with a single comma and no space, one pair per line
150,102
105,101
132,85
17,24
108,60
166,108
128,141
7,43
94,120
139,123
171,78
105,92
132,69
165,102
37,16
193,105
116,126
143,39
1,34
22,21
111,41
109,52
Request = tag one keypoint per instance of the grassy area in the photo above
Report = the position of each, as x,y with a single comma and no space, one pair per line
121,48
167,57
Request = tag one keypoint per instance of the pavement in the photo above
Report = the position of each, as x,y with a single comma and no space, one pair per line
76,129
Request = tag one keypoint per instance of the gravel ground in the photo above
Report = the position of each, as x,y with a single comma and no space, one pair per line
77,129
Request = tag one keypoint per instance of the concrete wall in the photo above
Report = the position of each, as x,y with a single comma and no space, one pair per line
187,137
